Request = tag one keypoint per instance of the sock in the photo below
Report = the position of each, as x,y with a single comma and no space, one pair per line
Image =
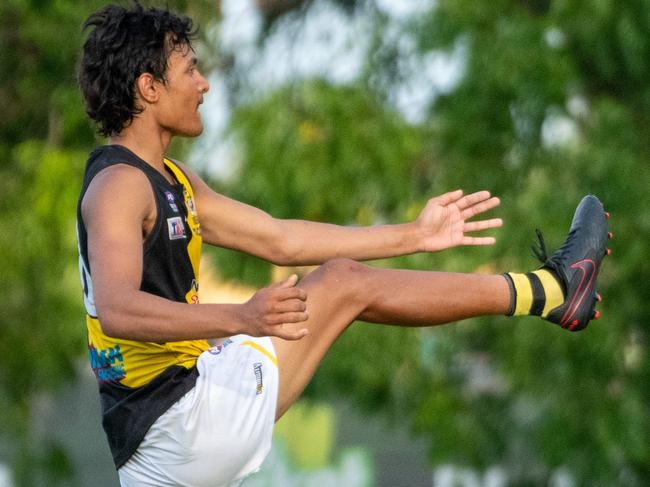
534,293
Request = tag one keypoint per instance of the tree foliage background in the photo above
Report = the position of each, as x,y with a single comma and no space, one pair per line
552,102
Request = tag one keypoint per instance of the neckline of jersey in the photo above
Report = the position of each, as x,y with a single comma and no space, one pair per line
152,169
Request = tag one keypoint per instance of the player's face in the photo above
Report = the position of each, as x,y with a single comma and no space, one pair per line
178,108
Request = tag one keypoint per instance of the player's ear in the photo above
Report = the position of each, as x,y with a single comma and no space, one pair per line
146,88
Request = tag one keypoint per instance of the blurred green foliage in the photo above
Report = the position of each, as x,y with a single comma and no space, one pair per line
520,394
516,393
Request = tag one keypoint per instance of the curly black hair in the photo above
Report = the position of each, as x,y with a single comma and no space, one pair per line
123,44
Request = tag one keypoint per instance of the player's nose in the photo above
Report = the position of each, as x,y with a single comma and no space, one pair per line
204,84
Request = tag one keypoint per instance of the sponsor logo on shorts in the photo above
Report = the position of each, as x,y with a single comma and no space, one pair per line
257,368
175,228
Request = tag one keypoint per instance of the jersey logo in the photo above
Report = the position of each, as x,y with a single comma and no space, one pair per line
190,205
172,202
193,215
257,369
107,364
175,228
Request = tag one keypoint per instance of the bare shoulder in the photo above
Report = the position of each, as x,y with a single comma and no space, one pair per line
117,189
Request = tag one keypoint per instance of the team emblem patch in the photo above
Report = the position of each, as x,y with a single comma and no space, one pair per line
190,205
176,228
170,199
189,202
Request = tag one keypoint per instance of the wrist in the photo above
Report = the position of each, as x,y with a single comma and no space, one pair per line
228,320
240,319
414,237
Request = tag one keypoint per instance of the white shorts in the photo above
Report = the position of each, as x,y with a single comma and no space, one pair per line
220,431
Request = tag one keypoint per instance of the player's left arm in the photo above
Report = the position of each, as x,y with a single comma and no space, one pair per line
440,225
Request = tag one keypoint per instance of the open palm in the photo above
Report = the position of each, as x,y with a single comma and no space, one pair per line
444,224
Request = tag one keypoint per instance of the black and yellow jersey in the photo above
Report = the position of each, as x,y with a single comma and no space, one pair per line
139,381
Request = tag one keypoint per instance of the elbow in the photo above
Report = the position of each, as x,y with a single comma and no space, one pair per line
117,311
276,246
281,259
112,322
281,244
284,253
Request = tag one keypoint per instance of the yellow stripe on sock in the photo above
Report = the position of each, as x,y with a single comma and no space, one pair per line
524,292
261,349
553,290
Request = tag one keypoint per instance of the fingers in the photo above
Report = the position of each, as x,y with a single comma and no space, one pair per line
475,206
478,241
275,325
283,318
284,304
281,332
477,227
288,283
282,294
447,198
287,306
482,225
472,199
471,204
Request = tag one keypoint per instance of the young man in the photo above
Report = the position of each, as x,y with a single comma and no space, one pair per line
175,410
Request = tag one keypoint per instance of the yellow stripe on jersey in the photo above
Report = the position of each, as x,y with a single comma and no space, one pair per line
194,247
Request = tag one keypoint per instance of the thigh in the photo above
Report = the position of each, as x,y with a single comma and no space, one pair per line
337,292
220,432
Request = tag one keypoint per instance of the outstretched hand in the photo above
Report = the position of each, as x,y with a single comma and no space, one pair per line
443,221
270,308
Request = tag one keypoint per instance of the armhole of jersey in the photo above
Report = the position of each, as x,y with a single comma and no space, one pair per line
155,230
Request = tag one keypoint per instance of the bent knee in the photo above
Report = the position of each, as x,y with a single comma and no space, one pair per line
343,267
344,276
347,281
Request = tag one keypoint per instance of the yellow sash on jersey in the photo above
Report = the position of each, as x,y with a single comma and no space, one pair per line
194,247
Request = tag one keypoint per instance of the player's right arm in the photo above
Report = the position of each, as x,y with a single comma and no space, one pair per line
118,210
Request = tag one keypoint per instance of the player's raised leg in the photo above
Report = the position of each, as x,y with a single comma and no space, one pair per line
341,291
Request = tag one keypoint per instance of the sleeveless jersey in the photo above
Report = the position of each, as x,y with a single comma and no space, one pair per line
139,381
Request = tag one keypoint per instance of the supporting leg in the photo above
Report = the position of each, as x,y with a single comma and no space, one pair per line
342,291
